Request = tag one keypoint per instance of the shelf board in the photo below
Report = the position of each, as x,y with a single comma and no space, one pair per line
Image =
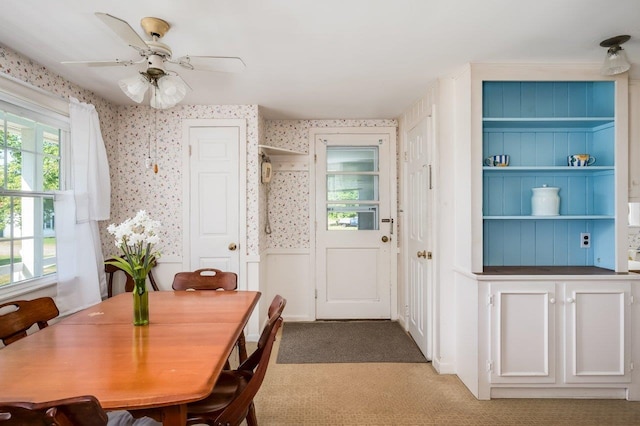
546,122
272,150
546,168
559,217
545,270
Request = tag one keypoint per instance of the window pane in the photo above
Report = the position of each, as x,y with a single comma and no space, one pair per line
351,217
352,159
5,262
25,267
50,140
51,173
25,224
14,170
352,187
49,256
21,133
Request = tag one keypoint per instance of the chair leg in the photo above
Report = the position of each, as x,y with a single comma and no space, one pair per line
242,348
252,420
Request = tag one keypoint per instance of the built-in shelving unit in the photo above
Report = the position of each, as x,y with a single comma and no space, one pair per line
539,124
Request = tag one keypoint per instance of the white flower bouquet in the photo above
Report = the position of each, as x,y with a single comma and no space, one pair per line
135,237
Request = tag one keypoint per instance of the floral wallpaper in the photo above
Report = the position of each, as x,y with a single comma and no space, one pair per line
134,133
262,193
289,190
144,132
294,134
127,132
29,71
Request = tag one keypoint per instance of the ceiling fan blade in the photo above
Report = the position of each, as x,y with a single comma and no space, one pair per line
212,63
113,63
124,30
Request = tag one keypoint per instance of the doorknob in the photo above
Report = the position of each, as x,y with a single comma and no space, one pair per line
385,238
233,246
422,253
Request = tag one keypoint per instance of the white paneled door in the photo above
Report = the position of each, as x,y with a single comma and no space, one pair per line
355,239
419,241
214,201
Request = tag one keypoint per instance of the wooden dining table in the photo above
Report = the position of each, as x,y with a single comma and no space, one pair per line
174,360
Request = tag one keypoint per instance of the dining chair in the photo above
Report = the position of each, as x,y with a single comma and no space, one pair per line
211,279
23,315
76,411
128,285
231,400
205,279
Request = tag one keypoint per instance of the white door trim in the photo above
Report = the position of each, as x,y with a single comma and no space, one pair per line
241,124
393,200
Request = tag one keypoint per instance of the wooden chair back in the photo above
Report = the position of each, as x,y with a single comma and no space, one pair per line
249,377
242,406
205,279
211,279
26,313
128,285
77,411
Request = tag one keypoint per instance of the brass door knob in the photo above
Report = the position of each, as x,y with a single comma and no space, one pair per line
422,253
233,246
385,239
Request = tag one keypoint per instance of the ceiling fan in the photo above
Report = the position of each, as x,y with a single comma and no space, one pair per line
166,86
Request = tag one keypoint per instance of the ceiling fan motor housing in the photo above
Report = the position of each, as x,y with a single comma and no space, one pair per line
155,69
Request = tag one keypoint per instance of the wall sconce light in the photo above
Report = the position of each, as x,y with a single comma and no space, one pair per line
616,61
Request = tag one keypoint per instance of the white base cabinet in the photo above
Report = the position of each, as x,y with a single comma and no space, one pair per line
597,332
523,332
543,334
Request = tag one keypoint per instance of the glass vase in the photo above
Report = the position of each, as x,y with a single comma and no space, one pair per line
140,302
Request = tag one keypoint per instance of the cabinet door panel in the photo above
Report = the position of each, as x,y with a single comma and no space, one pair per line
597,335
523,333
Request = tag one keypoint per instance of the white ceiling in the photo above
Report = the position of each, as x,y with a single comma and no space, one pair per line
320,59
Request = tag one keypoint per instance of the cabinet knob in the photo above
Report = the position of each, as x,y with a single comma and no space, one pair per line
552,300
571,300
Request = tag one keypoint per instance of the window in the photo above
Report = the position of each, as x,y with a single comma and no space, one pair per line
30,159
352,188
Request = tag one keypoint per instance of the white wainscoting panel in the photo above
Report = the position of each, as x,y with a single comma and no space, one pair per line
289,273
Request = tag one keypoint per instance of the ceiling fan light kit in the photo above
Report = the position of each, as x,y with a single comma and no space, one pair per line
166,87
615,62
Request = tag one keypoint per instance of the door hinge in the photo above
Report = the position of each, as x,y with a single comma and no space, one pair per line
430,178
406,156
490,300
631,366
315,158
489,366
189,150
631,300
316,293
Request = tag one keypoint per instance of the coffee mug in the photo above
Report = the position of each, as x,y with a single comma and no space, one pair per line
580,160
501,160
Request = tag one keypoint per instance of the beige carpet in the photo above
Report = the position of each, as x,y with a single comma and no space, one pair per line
410,394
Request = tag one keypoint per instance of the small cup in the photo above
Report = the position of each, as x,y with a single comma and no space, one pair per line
501,160
580,160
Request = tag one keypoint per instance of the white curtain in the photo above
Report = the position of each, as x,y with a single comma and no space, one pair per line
81,278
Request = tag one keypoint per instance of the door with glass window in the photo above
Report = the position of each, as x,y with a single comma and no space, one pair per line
354,232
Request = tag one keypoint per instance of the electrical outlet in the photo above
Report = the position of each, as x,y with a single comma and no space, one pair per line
585,240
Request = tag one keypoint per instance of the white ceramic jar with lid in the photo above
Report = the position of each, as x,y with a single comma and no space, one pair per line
545,201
